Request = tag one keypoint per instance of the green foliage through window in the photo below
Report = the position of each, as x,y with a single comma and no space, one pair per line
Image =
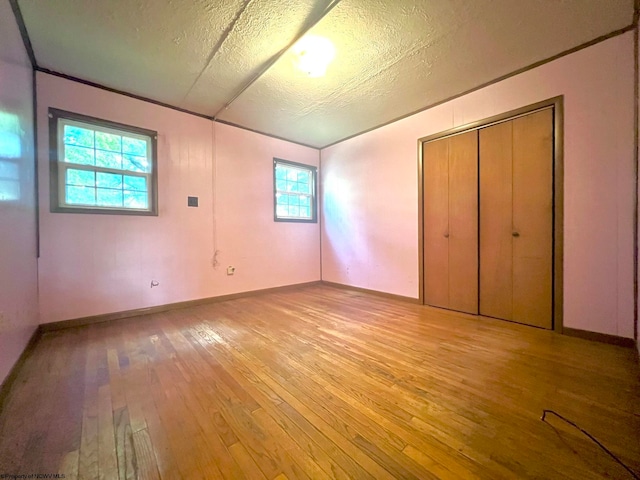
294,186
101,166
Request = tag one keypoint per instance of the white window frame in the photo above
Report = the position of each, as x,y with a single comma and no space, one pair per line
58,120
313,173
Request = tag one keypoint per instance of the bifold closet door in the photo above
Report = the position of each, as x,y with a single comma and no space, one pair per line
516,233
450,173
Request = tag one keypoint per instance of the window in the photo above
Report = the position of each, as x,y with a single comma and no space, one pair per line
294,192
10,156
99,166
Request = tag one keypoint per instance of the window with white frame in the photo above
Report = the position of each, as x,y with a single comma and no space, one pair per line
11,154
99,166
294,191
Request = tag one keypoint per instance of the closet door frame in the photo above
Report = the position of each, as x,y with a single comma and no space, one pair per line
556,103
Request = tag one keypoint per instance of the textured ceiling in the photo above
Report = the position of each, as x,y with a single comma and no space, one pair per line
393,57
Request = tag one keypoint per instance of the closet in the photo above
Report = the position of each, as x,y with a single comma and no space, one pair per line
488,220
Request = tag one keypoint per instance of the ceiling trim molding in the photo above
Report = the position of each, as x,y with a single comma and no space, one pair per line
231,124
120,92
23,32
588,44
162,104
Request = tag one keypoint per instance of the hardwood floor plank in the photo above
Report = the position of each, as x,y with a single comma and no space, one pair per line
319,383
88,465
108,462
281,440
165,459
246,462
69,465
146,461
125,452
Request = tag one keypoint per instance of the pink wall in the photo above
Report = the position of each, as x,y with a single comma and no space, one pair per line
370,186
94,264
18,264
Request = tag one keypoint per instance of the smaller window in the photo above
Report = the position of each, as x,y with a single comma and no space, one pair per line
10,157
294,186
99,166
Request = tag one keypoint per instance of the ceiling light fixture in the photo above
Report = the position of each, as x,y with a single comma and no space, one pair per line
313,54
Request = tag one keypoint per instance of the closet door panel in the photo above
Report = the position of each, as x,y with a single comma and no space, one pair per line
436,227
496,255
463,222
532,218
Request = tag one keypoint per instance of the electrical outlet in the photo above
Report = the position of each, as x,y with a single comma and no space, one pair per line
231,270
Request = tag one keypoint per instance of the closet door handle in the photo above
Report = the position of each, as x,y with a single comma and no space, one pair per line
446,235
515,234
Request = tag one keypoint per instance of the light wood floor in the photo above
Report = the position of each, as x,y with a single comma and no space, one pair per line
319,383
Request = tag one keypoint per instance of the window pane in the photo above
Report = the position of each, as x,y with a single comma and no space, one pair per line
81,195
81,177
78,136
81,155
292,186
108,159
135,164
304,188
9,190
135,183
292,174
134,146
281,199
294,211
281,185
304,201
303,177
282,210
108,141
9,169
109,180
305,212
135,199
294,200
281,172
109,198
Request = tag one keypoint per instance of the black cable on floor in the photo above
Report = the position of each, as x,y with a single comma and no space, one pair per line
631,472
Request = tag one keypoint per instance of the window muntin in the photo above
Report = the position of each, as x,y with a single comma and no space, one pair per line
294,191
102,167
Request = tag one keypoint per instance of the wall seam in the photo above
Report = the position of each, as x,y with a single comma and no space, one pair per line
23,32
319,206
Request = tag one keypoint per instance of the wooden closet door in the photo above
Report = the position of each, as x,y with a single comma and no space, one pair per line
516,236
450,189
463,222
496,206
532,218
436,222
